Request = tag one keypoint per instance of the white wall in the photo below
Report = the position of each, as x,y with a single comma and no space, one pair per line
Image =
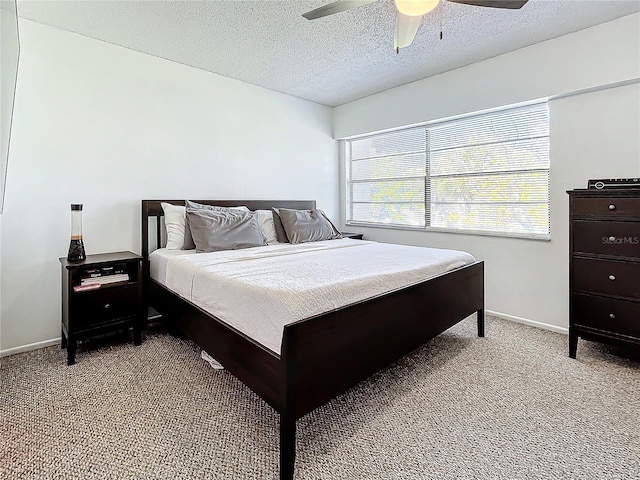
593,135
105,126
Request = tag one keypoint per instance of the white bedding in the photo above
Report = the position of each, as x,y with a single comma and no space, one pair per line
159,259
259,290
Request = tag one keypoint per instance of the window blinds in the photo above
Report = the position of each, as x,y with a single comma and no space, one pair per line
387,181
485,173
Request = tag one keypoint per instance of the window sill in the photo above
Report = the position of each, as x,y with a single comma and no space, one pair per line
522,236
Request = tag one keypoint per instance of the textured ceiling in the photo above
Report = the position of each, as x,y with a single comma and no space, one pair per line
332,60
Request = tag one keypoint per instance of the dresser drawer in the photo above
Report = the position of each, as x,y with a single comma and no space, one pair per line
607,277
609,207
106,304
607,238
618,316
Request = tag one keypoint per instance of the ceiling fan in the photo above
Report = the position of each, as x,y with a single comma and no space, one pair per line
410,13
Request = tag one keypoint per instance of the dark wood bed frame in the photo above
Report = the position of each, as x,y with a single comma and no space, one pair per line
325,355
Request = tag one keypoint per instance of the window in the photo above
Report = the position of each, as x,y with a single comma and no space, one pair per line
486,173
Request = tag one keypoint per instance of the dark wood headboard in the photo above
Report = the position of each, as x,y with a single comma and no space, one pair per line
151,209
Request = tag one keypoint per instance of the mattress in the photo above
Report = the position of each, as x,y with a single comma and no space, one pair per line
159,259
260,290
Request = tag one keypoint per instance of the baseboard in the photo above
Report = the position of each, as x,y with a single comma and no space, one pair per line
526,321
513,318
29,347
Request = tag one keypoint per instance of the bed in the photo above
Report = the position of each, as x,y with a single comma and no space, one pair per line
326,353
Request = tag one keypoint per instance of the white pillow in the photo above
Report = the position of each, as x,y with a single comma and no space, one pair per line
265,220
174,218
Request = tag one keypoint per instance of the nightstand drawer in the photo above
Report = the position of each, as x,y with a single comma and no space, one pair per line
607,238
607,314
607,277
609,207
106,304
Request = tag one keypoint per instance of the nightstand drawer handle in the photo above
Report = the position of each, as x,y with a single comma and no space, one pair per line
612,239
612,207
612,316
612,277
107,305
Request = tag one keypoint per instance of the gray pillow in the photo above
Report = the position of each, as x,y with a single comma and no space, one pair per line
215,230
281,235
188,238
307,225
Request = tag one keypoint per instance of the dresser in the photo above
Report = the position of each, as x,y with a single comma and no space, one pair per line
604,266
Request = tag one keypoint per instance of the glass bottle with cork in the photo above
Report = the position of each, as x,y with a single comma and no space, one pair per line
76,247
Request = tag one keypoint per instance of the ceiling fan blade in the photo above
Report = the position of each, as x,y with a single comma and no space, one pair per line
512,4
335,7
406,28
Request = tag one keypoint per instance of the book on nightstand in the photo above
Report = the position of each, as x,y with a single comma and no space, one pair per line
106,279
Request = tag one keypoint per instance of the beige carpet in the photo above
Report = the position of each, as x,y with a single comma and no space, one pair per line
509,406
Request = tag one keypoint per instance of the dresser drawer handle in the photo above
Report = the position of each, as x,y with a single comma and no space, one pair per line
107,305
612,239
612,207
612,316
612,277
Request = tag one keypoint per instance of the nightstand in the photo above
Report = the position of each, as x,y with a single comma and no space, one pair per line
101,294
355,236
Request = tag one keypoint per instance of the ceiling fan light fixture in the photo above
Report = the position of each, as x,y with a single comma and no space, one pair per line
415,8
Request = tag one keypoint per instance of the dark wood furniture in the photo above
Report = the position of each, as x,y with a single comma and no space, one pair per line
110,307
322,356
355,236
604,265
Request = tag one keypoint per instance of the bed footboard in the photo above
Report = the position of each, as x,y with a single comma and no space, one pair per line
333,352
324,356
